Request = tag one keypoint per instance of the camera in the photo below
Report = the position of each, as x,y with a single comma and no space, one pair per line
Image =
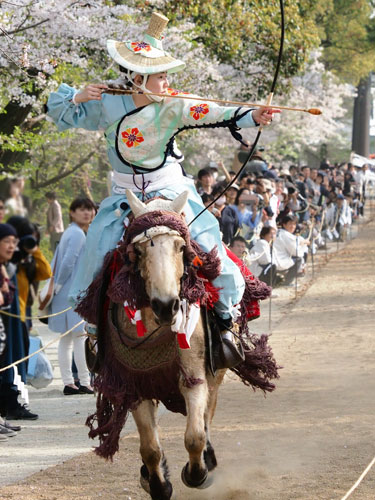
27,242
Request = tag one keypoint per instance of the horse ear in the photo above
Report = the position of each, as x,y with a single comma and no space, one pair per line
137,206
178,203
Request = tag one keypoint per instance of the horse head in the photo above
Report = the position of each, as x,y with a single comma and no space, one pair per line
160,257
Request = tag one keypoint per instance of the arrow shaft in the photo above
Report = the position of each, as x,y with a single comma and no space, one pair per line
220,101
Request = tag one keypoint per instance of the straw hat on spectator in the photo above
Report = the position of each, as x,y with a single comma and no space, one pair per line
284,171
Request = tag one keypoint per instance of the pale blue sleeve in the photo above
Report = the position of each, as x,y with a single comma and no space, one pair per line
68,261
66,114
247,121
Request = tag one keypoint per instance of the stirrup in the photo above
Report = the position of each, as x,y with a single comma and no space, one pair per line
227,355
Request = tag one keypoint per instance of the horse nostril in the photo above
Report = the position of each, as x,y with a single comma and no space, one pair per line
156,306
176,306
165,310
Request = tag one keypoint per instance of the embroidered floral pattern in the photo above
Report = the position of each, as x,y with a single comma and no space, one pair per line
199,111
132,137
138,46
175,92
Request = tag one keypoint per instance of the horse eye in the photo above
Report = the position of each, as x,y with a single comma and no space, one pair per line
179,246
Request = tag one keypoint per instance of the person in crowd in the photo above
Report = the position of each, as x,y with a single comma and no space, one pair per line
64,263
226,215
239,157
260,258
344,216
32,267
289,249
238,247
14,202
10,408
206,181
55,224
267,219
256,165
231,193
349,182
246,208
274,204
27,203
8,242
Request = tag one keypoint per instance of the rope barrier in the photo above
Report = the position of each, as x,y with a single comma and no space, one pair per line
358,482
6,313
42,348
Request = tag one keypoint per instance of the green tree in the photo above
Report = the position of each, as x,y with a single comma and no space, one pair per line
347,30
246,34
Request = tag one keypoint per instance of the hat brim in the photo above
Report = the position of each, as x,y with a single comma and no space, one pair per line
140,64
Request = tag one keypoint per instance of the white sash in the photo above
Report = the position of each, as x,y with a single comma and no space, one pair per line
167,176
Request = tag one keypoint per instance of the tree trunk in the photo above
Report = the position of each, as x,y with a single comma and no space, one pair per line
361,118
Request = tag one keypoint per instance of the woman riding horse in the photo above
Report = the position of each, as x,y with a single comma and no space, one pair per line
140,130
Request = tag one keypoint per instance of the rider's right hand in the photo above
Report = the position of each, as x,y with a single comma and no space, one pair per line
92,92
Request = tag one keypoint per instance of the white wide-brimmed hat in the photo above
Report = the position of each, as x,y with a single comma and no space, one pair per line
146,56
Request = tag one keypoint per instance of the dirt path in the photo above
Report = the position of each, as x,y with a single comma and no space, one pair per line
311,439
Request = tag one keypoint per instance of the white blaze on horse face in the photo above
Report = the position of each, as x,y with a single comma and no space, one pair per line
162,266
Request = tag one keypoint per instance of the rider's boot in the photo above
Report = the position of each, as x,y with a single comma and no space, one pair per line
226,353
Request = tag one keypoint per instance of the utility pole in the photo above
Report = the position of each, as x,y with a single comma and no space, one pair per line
361,118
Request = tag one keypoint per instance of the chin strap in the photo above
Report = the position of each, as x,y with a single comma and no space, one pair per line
130,75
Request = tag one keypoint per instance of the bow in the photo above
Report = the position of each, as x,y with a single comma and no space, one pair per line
269,100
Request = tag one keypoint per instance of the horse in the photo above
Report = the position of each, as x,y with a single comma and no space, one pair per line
141,307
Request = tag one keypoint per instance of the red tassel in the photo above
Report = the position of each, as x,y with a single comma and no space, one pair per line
252,310
182,341
130,313
213,294
141,329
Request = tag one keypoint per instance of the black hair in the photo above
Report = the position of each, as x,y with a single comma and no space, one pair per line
217,189
237,238
288,218
239,192
206,198
204,171
265,230
81,203
51,195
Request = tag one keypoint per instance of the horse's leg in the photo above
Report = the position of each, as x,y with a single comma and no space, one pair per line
154,472
213,388
195,471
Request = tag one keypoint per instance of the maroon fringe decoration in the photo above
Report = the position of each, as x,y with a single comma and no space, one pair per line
259,366
121,389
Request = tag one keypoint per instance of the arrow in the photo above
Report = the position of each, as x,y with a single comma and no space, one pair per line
121,91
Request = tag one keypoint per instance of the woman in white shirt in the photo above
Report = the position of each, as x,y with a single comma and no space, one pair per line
289,249
261,263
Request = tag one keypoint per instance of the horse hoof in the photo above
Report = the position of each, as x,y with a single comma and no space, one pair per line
199,483
209,457
145,479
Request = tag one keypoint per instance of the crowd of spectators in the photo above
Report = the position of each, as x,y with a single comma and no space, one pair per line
273,218
22,267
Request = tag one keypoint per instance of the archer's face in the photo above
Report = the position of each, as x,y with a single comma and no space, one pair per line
157,83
